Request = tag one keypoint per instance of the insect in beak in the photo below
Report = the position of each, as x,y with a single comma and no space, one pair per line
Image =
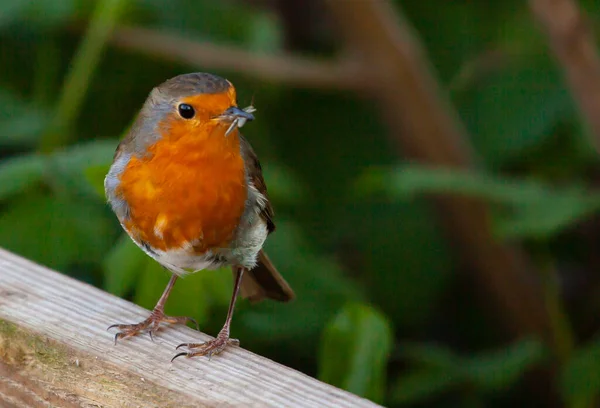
237,117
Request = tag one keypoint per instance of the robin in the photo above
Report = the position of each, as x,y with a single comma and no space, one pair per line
188,189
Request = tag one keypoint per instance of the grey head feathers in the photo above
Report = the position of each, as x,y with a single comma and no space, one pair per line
193,84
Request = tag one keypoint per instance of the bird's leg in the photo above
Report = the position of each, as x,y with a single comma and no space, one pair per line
152,323
222,340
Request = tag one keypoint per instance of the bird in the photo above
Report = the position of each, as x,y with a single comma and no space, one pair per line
188,189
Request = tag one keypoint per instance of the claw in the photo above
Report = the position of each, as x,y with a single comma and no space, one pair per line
183,345
178,355
117,337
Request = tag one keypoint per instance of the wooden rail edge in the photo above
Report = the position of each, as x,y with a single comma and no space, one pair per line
55,351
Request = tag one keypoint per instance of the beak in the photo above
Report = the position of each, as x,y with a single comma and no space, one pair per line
234,113
237,117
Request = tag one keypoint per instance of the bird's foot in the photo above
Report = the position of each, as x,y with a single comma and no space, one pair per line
209,348
150,325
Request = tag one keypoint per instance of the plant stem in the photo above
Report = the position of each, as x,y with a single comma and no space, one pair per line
84,64
561,327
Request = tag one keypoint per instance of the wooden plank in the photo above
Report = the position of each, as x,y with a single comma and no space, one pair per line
54,347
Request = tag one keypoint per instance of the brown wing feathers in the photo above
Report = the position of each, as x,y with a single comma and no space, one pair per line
263,281
255,172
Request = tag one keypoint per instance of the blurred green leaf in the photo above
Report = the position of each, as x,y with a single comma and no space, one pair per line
438,369
10,10
516,109
284,186
65,169
498,370
421,384
38,13
537,220
95,176
430,356
69,166
79,157
537,210
265,34
355,349
454,32
244,24
122,265
19,173
57,231
21,123
580,382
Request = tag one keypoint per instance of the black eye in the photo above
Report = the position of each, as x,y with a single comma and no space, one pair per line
186,111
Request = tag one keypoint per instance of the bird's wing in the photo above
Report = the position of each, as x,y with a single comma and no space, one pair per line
255,173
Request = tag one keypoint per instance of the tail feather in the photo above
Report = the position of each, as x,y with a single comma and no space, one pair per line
263,281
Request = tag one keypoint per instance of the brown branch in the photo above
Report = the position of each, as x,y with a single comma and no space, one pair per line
479,68
573,44
289,69
426,127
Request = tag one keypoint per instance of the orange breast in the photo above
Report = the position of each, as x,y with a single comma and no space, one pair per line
189,191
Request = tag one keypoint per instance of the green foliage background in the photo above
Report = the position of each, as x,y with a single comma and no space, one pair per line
385,309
